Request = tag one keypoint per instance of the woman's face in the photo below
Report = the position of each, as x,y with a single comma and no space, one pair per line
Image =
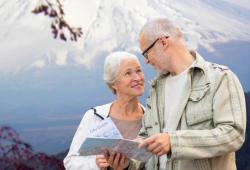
130,79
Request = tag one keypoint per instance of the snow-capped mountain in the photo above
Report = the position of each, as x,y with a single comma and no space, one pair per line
26,41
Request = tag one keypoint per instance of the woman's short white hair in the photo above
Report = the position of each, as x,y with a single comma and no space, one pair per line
112,64
159,27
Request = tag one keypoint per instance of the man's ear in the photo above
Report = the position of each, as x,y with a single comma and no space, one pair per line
164,41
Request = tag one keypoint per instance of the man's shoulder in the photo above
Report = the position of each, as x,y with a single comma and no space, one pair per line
207,65
217,72
218,67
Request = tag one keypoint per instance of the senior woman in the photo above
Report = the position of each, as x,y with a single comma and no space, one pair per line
124,76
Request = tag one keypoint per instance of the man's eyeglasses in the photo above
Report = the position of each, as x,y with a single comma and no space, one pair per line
145,52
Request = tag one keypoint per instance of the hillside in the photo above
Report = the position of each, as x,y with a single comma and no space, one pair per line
243,155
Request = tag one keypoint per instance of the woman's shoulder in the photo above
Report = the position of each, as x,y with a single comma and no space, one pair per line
102,110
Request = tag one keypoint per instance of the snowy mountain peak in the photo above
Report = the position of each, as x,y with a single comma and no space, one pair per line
26,41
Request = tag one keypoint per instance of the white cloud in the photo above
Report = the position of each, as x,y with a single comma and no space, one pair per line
39,64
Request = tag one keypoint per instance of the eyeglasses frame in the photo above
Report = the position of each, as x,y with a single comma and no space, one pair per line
151,46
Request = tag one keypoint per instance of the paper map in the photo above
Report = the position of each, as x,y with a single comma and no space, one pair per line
95,146
106,136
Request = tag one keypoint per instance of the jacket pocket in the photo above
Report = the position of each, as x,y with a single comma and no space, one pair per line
198,93
199,110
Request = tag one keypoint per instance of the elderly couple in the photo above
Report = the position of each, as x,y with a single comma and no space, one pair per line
194,117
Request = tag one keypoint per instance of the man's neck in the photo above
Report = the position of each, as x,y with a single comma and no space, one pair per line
181,61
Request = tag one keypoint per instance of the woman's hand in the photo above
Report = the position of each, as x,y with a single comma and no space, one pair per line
117,160
101,162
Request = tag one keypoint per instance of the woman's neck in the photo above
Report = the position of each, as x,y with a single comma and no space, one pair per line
126,109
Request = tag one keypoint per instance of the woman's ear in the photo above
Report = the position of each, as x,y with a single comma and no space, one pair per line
114,86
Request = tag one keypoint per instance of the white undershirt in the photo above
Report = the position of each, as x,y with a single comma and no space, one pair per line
175,88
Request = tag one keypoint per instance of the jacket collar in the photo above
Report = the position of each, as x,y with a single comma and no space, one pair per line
103,110
200,65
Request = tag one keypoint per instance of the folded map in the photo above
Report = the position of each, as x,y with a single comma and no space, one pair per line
98,145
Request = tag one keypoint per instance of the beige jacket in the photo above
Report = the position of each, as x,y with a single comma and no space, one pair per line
210,124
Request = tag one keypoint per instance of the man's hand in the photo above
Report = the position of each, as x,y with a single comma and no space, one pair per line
158,144
101,162
117,160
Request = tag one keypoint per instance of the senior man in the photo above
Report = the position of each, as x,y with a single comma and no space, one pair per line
195,116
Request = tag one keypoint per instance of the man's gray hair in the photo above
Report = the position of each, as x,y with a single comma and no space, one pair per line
159,27
112,64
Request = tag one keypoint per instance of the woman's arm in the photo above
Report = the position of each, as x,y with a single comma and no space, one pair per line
73,161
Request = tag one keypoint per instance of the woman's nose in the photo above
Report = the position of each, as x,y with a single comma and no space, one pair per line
136,76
